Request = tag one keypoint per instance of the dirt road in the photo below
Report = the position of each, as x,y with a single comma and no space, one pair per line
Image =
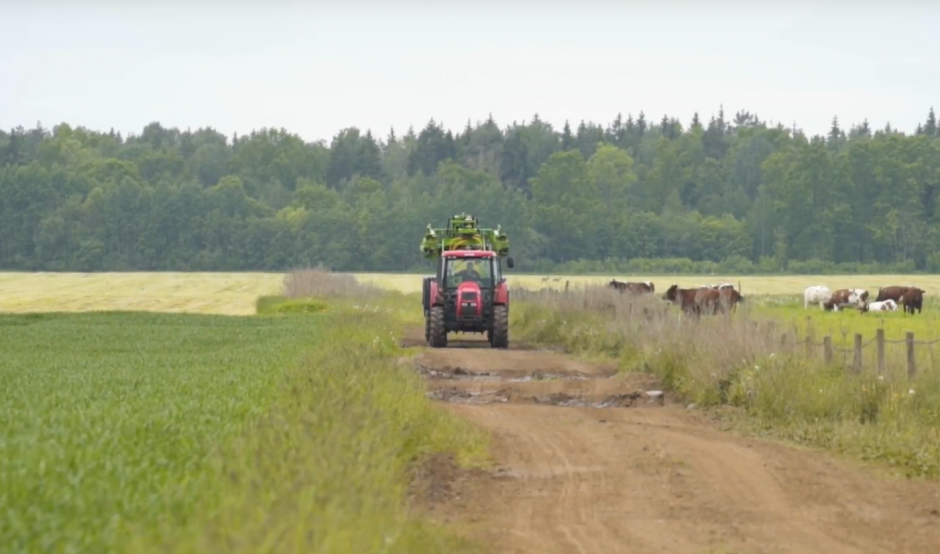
588,462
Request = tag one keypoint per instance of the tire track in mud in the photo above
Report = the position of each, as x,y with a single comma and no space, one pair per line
588,462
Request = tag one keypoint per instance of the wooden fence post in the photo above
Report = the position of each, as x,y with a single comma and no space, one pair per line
783,340
630,311
857,365
827,349
880,344
808,343
911,367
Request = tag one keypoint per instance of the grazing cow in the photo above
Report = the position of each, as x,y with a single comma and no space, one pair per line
892,293
645,287
845,297
685,298
729,298
816,295
879,306
913,298
708,299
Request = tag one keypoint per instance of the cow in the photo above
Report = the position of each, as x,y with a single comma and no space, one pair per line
729,298
644,287
816,295
845,297
892,293
719,286
913,298
879,306
708,299
685,298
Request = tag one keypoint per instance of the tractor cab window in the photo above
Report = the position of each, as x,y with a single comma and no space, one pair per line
462,270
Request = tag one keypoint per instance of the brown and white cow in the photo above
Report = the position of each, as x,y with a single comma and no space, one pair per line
644,287
684,298
846,297
879,306
730,298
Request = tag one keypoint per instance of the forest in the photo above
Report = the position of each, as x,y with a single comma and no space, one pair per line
731,194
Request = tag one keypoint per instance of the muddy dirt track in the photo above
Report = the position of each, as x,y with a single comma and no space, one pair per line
590,463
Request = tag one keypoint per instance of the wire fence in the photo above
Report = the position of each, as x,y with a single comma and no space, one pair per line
646,317
853,357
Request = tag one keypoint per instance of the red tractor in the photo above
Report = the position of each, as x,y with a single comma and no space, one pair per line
469,293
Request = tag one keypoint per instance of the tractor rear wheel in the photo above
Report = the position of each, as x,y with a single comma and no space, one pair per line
436,330
499,335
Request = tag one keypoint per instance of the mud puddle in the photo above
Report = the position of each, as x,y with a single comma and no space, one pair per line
505,375
563,399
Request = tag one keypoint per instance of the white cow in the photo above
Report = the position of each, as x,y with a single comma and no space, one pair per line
883,306
816,295
718,286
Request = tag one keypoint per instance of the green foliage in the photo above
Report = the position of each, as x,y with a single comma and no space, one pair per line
737,195
141,432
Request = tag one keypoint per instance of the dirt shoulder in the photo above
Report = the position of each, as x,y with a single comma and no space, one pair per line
589,462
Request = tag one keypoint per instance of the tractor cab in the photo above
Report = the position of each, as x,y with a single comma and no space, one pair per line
481,270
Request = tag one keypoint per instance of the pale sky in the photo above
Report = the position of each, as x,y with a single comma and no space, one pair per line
316,67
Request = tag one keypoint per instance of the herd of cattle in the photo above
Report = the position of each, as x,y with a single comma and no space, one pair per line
910,298
708,298
723,297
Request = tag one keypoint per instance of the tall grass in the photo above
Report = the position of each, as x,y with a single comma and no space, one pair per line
320,282
754,360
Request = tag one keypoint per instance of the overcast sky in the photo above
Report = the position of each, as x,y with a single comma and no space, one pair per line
314,69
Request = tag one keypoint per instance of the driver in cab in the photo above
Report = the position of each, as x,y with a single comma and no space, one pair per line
468,273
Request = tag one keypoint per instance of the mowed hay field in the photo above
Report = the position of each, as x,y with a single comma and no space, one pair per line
206,293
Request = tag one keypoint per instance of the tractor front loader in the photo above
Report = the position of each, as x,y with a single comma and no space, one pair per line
469,293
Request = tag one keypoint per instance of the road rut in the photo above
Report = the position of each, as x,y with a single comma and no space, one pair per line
645,475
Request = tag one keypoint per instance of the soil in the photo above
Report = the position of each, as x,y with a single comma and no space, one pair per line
588,461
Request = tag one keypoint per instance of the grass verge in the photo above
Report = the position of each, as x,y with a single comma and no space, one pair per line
739,361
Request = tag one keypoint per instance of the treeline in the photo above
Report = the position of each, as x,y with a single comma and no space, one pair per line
724,195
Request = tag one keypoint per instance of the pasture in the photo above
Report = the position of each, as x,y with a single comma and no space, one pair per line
749,284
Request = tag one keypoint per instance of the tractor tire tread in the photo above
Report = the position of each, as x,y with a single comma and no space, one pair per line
438,334
500,333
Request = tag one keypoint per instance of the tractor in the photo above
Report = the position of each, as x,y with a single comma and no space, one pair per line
469,293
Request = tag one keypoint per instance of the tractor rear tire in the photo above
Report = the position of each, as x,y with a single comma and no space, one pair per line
437,332
499,335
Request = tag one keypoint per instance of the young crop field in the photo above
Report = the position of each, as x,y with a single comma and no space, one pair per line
137,432
109,419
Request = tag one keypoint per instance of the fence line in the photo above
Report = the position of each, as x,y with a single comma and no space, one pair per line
856,350
810,345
